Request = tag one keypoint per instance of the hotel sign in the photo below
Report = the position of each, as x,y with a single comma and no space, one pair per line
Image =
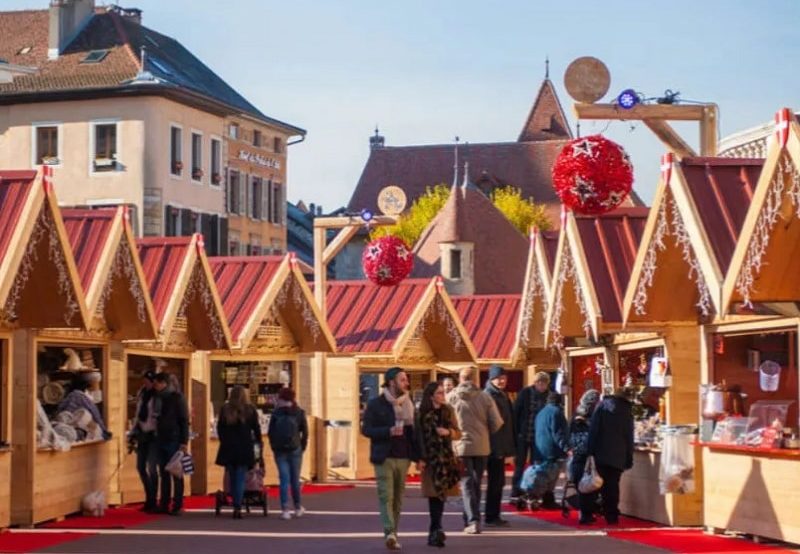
258,159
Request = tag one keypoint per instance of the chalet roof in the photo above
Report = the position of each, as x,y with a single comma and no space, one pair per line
88,232
14,189
491,322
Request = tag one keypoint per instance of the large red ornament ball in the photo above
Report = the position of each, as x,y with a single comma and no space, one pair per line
592,175
387,261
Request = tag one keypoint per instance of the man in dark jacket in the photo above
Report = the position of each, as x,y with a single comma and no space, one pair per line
172,435
389,424
503,445
529,401
143,438
551,443
611,444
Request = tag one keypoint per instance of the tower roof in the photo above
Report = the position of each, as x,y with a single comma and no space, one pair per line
546,120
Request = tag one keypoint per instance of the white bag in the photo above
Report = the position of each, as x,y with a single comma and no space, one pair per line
180,464
591,480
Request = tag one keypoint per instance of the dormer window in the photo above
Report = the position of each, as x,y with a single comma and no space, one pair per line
455,264
95,56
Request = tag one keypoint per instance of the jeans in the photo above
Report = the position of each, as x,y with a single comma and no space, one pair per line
391,480
147,466
289,464
169,483
524,453
236,475
474,466
610,491
436,511
496,480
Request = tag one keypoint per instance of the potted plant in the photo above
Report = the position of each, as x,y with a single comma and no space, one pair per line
216,178
177,166
197,173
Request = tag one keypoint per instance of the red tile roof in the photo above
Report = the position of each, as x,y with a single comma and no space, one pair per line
366,318
722,189
610,242
546,120
162,260
491,322
14,189
88,231
241,283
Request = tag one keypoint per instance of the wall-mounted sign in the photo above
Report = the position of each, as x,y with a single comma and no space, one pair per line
258,159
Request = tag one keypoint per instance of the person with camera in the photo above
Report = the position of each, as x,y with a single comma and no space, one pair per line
142,440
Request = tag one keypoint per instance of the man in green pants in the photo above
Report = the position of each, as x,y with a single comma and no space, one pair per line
389,424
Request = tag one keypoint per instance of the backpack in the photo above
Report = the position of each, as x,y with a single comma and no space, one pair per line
285,434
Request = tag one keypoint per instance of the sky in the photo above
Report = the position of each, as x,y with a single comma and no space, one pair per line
425,72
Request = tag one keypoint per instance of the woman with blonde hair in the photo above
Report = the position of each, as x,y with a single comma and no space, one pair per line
238,431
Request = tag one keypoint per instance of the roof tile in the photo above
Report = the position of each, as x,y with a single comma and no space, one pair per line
491,322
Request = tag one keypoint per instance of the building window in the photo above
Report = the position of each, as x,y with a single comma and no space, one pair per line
216,162
175,157
197,156
47,145
234,190
257,198
277,145
234,245
277,249
256,138
455,264
172,223
233,131
105,146
277,203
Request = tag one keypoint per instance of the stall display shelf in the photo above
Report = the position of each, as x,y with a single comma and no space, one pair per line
791,453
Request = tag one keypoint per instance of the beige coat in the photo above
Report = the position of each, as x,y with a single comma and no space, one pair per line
477,417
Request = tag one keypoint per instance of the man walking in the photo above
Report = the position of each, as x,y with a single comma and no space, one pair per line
389,424
477,418
529,401
551,443
143,438
172,435
503,445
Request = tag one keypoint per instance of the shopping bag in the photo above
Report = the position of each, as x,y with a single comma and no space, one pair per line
187,463
180,464
591,480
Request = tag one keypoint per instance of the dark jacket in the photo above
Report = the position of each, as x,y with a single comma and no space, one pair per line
302,425
552,441
611,433
173,418
579,443
503,442
376,425
237,440
529,402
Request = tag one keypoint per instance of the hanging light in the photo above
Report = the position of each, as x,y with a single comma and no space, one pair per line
366,215
627,99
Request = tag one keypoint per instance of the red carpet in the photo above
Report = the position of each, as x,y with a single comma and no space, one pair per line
114,518
688,542
209,501
30,542
554,516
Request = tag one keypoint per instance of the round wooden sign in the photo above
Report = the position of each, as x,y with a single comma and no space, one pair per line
587,79
392,200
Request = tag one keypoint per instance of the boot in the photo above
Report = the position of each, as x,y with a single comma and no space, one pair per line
237,513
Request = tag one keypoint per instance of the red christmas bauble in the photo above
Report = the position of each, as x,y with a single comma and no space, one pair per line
387,261
592,175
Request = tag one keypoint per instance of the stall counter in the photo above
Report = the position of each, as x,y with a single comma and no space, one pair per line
5,487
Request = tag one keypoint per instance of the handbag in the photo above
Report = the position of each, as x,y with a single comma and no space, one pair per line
591,480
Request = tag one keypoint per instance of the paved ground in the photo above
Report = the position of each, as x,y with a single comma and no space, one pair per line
338,522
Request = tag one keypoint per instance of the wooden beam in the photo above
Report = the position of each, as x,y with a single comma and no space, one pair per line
670,138
347,221
681,112
340,241
708,131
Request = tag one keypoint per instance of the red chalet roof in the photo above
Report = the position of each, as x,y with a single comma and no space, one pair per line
491,322
88,231
366,318
162,261
14,189
722,189
241,283
610,242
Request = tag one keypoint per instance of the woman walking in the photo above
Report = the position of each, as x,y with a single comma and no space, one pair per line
438,429
239,432
288,438
579,444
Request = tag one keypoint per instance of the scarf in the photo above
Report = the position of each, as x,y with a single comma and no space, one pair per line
403,407
441,465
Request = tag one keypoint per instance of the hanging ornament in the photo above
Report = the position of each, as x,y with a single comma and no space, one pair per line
592,175
387,261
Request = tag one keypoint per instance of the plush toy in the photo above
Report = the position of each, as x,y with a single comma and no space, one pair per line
73,362
94,504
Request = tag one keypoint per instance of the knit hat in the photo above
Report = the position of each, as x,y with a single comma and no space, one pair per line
496,371
150,375
542,376
391,374
286,394
587,403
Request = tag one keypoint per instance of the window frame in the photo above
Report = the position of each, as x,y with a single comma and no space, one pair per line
173,162
277,145
238,134
258,138
230,190
196,133
115,167
456,254
257,191
59,125
215,140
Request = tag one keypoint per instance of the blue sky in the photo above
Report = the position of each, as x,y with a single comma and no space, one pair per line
428,71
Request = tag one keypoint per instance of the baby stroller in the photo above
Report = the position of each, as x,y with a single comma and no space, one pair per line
255,494
538,479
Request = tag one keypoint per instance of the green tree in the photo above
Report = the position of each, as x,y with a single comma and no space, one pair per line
521,212
419,215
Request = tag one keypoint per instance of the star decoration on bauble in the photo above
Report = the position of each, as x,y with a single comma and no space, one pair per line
583,189
614,199
373,251
403,253
384,272
583,148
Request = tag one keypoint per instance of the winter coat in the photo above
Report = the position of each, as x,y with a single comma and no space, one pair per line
237,440
377,425
611,433
503,442
302,425
173,418
579,443
441,473
552,440
477,417
529,402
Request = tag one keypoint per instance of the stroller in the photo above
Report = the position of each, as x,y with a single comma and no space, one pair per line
536,481
255,494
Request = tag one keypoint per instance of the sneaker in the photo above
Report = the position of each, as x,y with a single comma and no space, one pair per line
472,529
499,522
286,515
391,542
299,512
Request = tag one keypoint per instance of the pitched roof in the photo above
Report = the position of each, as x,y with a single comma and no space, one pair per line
168,60
469,216
88,232
546,120
14,189
491,322
163,260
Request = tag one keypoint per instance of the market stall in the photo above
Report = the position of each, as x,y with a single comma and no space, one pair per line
413,325
275,326
190,320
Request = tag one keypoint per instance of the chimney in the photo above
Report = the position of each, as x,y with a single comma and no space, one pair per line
67,19
131,14
376,141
